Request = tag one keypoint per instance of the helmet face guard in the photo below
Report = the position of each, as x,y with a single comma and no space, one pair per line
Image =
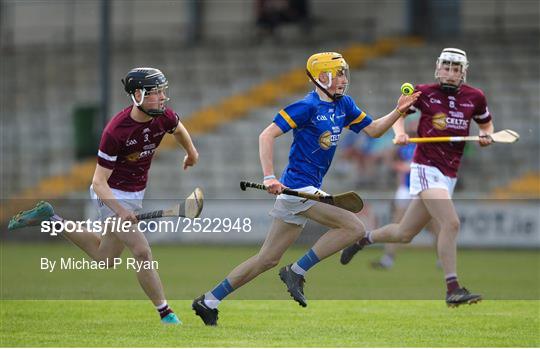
333,66
445,68
152,85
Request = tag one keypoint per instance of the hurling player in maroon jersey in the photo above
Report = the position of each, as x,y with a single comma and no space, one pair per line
447,109
125,153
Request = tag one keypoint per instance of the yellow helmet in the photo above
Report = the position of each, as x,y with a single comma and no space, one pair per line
331,63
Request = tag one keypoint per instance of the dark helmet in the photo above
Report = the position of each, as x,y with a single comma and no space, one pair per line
146,80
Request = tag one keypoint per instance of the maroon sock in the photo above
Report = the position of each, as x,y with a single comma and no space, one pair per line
164,311
366,240
451,284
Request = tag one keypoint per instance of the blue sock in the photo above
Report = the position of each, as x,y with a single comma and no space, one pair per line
222,290
305,263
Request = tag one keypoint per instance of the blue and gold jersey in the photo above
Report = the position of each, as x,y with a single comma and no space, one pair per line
317,126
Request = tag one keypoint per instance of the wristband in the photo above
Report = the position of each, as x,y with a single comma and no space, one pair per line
401,114
265,178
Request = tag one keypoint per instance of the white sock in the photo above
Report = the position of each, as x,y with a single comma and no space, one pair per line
368,237
451,275
162,305
56,218
211,301
297,269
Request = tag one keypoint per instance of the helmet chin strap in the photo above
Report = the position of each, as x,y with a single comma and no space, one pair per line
334,97
449,88
153,113
150,112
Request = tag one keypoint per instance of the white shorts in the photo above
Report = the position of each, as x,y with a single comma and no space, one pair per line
428,177
130,200
288,208
402,196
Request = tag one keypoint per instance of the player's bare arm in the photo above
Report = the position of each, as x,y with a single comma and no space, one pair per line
266,155
103,191
184,139
485,129
379,126
400,135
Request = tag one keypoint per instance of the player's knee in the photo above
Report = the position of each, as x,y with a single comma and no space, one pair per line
451,225
267,262
270,263
142,253
354,226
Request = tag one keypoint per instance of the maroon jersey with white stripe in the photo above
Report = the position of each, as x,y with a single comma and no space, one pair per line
447,114
127,147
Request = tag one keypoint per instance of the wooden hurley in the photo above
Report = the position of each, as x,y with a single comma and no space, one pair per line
190,207
504,136
349,201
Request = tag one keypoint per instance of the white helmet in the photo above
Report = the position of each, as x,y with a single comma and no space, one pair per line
452,56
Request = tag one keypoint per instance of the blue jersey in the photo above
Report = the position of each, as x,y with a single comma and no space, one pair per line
406,153
317,126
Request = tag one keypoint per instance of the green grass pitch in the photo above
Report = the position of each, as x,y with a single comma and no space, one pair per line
351,306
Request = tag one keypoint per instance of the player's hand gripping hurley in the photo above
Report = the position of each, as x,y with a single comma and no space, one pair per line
504,136
349,201
191,207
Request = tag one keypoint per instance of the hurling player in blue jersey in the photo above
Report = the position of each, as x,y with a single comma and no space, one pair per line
317,121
